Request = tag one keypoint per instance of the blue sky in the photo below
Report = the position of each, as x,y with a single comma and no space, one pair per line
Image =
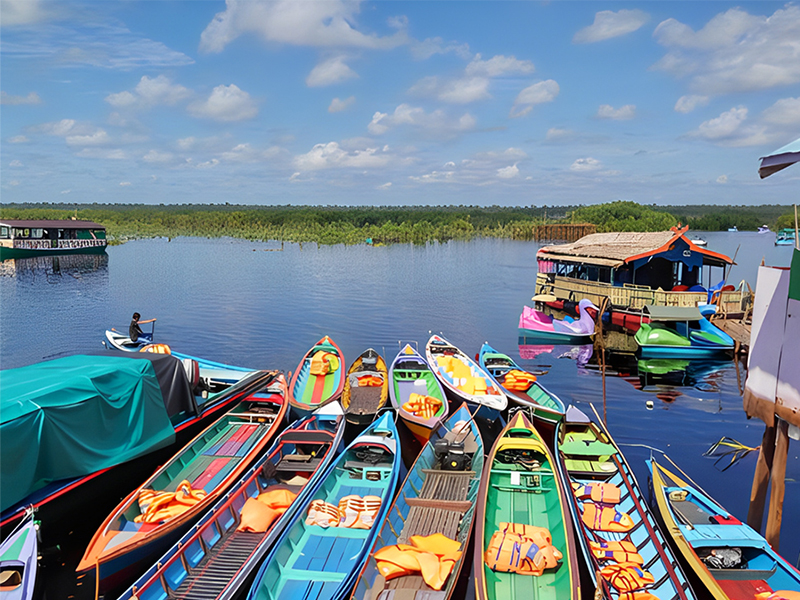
395,103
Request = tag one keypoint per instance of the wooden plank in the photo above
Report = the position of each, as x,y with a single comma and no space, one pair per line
758,494
778,484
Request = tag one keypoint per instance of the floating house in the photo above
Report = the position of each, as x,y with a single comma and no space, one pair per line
633,269
26,238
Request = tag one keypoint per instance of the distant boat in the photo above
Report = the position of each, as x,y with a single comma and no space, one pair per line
733,228
785,237
699,242
763,229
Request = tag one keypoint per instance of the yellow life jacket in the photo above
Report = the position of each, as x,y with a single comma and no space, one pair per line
626,577
421,406
605,518
323,363
623,551
607,493
518,380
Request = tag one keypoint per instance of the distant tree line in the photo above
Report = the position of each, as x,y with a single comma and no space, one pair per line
385,224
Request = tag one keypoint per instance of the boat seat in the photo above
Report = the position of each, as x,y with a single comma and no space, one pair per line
298,462
742,574
690,512
312,436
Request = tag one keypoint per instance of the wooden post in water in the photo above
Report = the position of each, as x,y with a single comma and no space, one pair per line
778,483
758,494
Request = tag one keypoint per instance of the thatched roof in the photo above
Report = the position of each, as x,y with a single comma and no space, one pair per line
616,249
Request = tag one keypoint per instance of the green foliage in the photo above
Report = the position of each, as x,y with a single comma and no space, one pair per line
705,217
624,216
785,221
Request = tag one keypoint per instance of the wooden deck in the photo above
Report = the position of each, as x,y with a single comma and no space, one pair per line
739,330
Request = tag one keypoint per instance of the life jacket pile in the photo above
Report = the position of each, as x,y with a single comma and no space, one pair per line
323,363
156,506
259,513
353,511
521,549
370,381
599,512
422,406
517,380
433,557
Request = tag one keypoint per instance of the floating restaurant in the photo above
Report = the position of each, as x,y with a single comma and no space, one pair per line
26,238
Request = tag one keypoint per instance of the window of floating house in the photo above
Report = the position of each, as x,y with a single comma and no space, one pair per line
5,233
604,275
100,234
37,233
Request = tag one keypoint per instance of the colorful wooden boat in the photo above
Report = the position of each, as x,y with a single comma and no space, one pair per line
520,386
410,374
636,554
464,380
313,561
18,561
535,325
521,491
214,560
366,388
155,515
729,558
680,332
785,237
309,390
437,496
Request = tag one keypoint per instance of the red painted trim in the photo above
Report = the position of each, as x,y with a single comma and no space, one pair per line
679,234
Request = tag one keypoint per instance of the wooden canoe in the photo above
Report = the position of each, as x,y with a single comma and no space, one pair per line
590,456
433,499
307,392
521,485
363,394
311,561
409,374
213,560
212,462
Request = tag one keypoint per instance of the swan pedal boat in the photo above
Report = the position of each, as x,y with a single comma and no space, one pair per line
536,325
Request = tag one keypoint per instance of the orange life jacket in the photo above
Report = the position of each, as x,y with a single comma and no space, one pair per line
626,577
433,557
323,363
779,595
357,512
607,493
370,381
156,349
163,506
518,380
522,549
323,514
605,518
421,406
623,551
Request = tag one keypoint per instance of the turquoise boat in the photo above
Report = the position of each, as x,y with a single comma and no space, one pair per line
785,237
680,332
311,388
438,496
322,562
620,538
215,557
545,405
524,541
730,559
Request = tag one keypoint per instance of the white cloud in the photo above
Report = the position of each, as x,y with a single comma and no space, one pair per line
154,156
734,52
18,139
226,103
385,186
723,126
435,123
316,24
583,165
15,163
687,104
434,177
340,105
623,113
22,12
508,172
330,71
555,134
422,50
538,93
209,164
103,153
13,183
150,92
124,183
722,179
608,24
498,66
330,155
66,191
98,138
8,99
449,165
784,112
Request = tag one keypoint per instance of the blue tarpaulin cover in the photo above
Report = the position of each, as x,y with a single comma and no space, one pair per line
73,416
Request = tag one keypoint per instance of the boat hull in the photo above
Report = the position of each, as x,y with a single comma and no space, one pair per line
553,337
309,392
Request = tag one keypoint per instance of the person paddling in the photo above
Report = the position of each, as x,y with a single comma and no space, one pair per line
134,331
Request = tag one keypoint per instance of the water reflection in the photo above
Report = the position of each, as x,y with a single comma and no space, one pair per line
54,267
580,354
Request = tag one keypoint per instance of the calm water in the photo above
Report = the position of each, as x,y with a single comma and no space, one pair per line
245,303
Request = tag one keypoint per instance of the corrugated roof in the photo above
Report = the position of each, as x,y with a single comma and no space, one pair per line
51,223
673,313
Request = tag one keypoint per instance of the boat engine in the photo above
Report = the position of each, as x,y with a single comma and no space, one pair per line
451,455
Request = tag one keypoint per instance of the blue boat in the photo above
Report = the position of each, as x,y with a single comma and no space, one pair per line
437,497
533,395
727,557
680,332
322,561
785,237
217,558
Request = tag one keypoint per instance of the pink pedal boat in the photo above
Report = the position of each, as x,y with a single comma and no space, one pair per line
534,324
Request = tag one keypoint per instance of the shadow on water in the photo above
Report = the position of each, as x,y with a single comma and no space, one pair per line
54,268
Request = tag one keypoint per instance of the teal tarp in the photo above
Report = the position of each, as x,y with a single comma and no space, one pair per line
73,416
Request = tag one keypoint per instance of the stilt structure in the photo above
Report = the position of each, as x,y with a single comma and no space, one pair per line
568,232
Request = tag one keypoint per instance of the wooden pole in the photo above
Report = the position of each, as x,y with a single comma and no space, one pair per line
778,483
758,494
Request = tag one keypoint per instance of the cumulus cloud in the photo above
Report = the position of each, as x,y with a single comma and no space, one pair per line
316,24
98,138
723,126
8,99
155,156
150,92
436,122
687,104
422,50
609,24
338,105
22,12
606,111
17,139
434,177
587,164
226,103
103,153
734,52
330,71
508,172
331,155
385,186
784,112
498,66
538,93
556,134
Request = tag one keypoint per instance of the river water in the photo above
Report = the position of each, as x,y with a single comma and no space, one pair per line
262,305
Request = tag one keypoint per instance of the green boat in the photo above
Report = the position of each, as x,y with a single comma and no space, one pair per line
521,487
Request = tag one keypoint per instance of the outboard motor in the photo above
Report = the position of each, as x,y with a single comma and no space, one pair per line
451,455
